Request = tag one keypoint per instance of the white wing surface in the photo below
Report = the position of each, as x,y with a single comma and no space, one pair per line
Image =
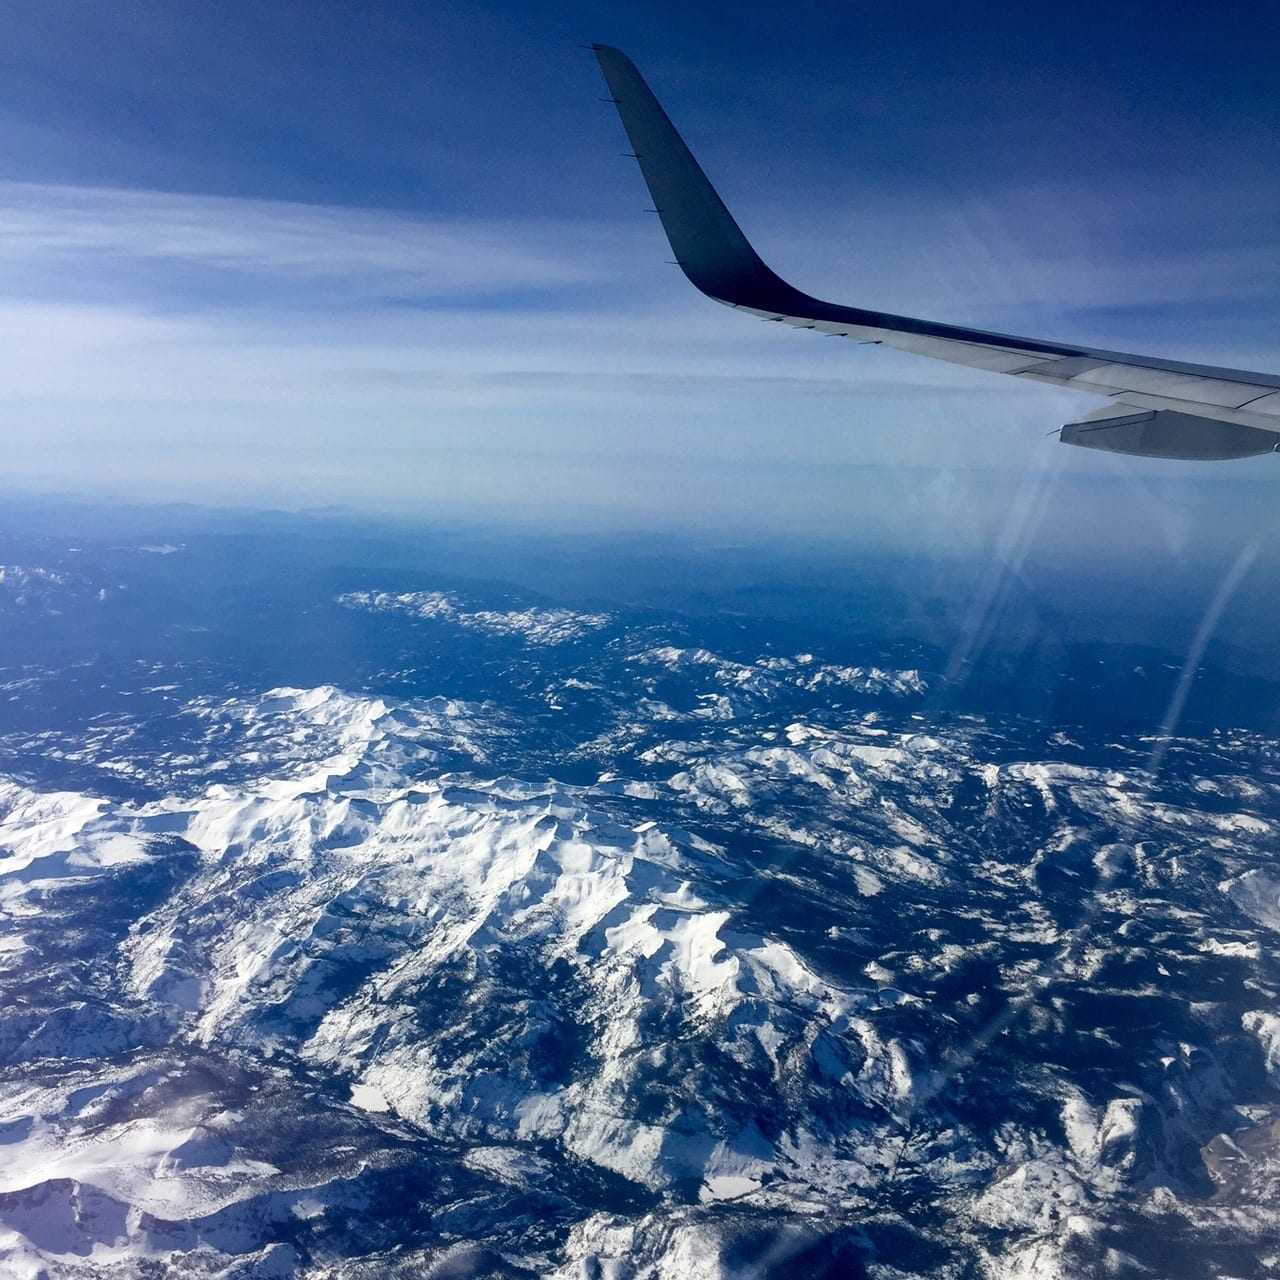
1164,409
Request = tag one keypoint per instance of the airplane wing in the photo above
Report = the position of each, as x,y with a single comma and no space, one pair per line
1164,409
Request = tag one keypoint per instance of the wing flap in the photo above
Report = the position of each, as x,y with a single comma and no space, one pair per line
1166,434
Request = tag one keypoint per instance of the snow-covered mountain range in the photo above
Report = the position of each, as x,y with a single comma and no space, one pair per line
653,961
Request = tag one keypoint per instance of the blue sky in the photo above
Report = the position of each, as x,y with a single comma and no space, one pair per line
389,255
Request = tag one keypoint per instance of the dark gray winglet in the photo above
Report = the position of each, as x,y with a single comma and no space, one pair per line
708,244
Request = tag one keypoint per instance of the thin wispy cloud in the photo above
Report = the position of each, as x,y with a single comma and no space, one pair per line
372,253
1016,248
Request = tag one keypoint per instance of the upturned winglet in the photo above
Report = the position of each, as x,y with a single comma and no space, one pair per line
707,243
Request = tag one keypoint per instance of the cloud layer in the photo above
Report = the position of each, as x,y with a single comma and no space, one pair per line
235,349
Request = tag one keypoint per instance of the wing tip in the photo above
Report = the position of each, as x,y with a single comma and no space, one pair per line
706,241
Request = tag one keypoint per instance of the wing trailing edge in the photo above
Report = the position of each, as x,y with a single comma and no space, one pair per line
1171,409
